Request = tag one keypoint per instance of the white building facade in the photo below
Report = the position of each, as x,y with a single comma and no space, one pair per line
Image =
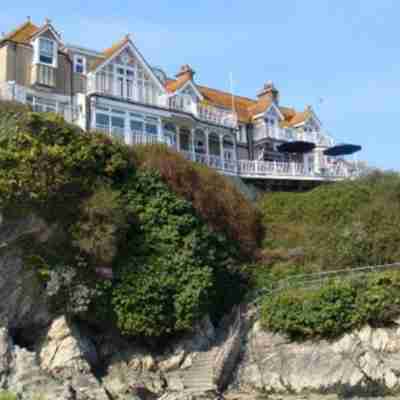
118,92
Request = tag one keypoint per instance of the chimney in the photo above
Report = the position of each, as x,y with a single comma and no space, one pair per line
186,72
270,91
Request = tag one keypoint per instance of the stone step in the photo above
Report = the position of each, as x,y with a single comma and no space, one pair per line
199,379
198,376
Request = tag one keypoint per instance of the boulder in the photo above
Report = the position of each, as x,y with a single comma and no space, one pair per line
66,350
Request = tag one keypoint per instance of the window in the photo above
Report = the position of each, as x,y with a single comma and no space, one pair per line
46,51
120,87
79,64
117,127
46,75
137,126
41,105
241,135
102,122
151,129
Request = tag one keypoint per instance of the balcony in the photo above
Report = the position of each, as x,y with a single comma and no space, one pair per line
40,102
290,135
256,169
217,116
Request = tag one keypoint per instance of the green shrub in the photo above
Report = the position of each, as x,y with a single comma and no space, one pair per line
101,226
213,197
169,230
51,160
169,273
335,308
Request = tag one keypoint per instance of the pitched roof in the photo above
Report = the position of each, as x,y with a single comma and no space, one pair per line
22,34
172,85
293,117
260,106
108,53
224,99
299,118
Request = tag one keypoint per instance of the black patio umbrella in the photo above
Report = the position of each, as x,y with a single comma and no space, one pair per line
343,149
299,146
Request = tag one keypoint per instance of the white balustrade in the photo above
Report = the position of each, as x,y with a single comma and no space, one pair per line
140,138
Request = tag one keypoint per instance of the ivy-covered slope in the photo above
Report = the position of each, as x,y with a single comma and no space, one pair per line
173,233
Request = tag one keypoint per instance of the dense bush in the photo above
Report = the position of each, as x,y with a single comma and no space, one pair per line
214,197
335,308
169,272
109,206
102,224
47,159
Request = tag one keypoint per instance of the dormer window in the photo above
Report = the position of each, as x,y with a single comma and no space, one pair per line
46,51
79,64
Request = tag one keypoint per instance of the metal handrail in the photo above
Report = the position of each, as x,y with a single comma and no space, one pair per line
304,281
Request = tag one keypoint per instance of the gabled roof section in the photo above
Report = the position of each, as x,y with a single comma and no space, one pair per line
193,87
110,52
22,34
47,27
261,106
184,76
295,118
224,100
116,49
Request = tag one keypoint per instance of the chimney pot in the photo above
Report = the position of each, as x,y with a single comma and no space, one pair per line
270,91
186,69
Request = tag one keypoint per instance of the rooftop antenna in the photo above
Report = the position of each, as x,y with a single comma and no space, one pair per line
231,90
233,97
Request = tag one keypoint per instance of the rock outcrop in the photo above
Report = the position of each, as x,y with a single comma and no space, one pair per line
22,304
65,349
365,362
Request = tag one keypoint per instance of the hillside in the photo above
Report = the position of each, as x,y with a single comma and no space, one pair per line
172,234
334,227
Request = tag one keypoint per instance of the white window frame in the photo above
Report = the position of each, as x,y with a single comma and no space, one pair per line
83,64
36,50
242,138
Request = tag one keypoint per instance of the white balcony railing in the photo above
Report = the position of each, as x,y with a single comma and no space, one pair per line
217,115
13,92
290,135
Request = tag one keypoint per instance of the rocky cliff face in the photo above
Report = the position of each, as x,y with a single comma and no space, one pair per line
365,362
50,356
22,304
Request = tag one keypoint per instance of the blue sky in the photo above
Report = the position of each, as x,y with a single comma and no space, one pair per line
345,52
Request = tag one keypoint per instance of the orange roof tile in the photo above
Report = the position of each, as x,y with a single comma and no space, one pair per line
172,85
108,53
260,106
298,118
22,34
224,99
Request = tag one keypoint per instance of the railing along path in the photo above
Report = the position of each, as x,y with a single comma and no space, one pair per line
316,280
